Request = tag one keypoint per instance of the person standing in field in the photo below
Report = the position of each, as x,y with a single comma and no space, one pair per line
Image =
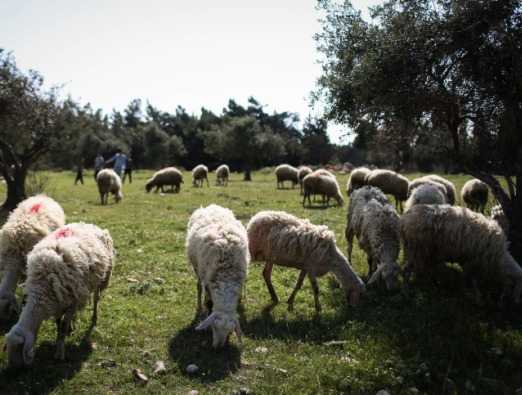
120,162
128,171
99,163
79,172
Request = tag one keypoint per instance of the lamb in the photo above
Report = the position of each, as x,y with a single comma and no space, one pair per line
63,270
31,221
434,234
375,222
277,237
451,192
167,176
320,183
357,179
302,172
498,215
426,193
391,183
109,182
474,194
286,173
217,248
222,175
199,173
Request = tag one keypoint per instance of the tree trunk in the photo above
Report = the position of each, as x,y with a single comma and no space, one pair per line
248,175
15,188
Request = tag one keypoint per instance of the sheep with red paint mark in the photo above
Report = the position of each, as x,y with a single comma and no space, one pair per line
30,222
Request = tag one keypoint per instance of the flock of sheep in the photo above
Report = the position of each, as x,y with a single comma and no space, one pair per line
66,265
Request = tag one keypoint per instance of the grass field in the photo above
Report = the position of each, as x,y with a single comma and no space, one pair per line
433,339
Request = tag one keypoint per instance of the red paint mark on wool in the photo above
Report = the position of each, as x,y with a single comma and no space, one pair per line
63,233
35,208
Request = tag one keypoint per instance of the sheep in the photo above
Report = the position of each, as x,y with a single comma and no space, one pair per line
426,193
375,222
63,270
32,220
109,182
277,237
474,194
451,192
434,234
320,183
217,248
391,183
498,215
286,173
167,176
302,172
199,173
222,175
357,179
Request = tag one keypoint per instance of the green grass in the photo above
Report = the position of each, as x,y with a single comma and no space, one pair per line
411,338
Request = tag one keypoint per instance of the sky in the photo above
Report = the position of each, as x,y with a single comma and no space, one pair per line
197,53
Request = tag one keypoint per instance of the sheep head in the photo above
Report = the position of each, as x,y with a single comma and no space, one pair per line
149,185
20,347
389,273
222,325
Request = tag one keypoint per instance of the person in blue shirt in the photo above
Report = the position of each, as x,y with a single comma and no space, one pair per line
120,162
99,162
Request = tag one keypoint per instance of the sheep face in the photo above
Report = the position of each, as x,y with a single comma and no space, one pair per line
149,185
118,196
353,294
20,351
389,273
222,326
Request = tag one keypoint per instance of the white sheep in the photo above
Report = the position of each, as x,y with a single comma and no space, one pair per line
320,183
217,248
109,182
426,193
497,214
474,194
451,192
222,175
167,176
286,173
357,179
63,270
375,222
302,172
435,234
32,220
279,238
199,173
390,183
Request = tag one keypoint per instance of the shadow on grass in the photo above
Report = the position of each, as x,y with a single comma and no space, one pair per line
189,346
46,373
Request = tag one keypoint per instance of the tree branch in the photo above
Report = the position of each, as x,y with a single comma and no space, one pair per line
7,150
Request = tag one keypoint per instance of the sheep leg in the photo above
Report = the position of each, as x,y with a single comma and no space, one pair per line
371,268
208,185
349,240
267,275
63,326
297,287
315,288
200,294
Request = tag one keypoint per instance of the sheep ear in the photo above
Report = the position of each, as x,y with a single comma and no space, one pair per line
207,322
237,329
376,276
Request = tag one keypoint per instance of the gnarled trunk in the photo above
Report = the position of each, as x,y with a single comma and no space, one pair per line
15,181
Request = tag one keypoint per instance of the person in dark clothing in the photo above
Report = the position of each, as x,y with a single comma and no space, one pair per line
79,173
128,171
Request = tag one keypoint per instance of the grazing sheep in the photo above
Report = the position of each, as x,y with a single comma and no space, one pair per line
375,222
302,172
63,270
217,248
391,183
31,221
474,194
426,193
435,234
451,192
357,179
109,182
167,176
286,173
321,184
279,238
498,215
199,173
222,175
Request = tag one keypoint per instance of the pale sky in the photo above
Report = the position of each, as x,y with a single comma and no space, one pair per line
197,53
